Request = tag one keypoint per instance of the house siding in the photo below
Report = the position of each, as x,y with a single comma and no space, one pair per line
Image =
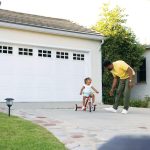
142,90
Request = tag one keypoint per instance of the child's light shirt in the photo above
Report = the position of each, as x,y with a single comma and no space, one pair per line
87,89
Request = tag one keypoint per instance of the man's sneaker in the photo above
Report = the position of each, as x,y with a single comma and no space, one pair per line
111,109
124,111
83,108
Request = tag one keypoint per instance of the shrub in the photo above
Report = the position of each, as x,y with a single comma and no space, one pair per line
139,103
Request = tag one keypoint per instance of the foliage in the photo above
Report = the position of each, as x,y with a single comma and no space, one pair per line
19,134
111,22
138,103
120,43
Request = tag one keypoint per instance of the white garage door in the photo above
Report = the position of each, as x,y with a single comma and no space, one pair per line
31,74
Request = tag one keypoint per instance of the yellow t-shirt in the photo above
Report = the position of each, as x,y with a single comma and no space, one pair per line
120,69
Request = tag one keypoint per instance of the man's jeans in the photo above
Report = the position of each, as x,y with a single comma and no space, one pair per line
124,89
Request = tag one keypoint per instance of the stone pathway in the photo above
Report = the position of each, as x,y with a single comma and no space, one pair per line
84,130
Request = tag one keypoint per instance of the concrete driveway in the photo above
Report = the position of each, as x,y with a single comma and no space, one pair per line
83,130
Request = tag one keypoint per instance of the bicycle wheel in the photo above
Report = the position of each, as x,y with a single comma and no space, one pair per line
90,107
94,108
76,107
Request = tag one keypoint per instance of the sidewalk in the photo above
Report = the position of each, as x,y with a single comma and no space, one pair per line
82,130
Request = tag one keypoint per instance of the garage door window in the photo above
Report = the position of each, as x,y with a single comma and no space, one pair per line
78,56
6,49
44,53
25,51
62,55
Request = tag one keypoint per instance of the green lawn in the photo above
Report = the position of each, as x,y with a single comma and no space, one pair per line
19,134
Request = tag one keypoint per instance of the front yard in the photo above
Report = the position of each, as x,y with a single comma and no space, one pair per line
19,134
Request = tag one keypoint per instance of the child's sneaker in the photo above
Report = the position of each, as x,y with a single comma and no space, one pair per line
83,108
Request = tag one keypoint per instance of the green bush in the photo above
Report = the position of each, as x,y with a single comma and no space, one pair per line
139,103
145,103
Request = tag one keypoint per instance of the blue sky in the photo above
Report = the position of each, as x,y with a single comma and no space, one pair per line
86,12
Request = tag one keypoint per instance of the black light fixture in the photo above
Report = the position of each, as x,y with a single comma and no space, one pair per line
9,103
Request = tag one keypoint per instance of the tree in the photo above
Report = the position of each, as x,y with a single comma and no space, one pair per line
120,43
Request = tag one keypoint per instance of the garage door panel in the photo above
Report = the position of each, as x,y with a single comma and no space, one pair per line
32,78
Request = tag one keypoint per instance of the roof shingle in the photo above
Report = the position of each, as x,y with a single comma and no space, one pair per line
43,22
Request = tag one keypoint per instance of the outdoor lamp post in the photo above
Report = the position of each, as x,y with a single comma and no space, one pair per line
9,103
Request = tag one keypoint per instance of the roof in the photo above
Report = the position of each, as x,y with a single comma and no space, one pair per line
8,16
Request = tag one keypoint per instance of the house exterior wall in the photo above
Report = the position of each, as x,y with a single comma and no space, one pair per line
142,90
14,36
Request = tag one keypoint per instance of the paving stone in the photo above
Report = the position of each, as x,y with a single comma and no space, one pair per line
49,124
77,136
40,117
39,121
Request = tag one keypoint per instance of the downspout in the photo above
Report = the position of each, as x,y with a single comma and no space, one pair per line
102,42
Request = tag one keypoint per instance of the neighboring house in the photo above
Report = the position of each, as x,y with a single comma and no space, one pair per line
142,87
45,59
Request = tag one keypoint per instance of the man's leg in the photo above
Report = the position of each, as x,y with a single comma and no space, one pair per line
119,93
127,92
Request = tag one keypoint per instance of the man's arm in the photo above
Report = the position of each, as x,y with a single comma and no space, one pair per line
94,89
81,91
114,84
130,73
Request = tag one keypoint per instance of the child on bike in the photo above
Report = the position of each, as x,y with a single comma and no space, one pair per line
86,90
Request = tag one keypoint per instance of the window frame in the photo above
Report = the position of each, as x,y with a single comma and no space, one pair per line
78,56
62,55
43,53
141,73
25,51
5,49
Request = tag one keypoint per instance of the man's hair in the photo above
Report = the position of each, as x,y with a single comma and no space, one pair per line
86,79
106,63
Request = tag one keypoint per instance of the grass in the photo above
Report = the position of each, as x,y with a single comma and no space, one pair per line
19,134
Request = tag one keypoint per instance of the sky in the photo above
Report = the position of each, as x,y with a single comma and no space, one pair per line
87,12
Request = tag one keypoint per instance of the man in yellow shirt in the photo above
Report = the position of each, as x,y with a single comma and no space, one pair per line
125,74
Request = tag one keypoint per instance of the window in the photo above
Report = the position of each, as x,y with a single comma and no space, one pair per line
78,56
6,49
25,51
62,55
44,53
141,74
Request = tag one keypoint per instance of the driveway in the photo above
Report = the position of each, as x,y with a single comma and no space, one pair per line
83,130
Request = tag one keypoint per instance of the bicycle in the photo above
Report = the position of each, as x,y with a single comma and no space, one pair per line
88,105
